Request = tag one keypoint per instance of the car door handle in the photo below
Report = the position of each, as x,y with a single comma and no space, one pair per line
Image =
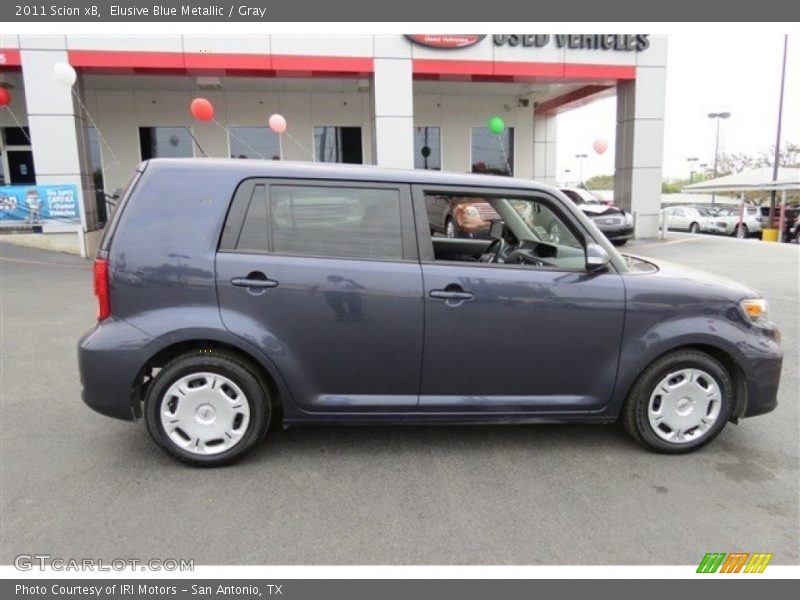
451,295
254,280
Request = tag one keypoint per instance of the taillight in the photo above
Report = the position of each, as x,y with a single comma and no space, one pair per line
101,288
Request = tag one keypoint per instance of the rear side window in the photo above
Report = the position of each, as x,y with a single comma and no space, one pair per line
333,221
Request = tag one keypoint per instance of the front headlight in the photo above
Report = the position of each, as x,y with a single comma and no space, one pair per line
629,218
754,308
471,211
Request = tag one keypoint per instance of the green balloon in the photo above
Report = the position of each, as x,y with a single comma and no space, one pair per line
426,151
496,125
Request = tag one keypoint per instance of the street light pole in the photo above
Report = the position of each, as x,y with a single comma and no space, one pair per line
690,160
717,116
580,158
778,138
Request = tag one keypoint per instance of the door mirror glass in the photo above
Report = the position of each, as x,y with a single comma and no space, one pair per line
596,258
496,230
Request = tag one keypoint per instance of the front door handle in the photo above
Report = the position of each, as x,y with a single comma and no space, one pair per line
254,280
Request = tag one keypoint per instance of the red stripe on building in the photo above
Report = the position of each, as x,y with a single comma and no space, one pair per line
430,66
610,72
112,59
486,70
207,61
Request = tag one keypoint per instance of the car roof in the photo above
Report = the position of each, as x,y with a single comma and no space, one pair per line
303,170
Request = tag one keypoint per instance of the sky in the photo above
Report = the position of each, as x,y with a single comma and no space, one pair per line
736,73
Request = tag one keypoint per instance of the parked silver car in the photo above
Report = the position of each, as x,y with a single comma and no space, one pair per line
727,219
692,219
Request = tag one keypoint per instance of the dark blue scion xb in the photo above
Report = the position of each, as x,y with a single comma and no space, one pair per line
234,292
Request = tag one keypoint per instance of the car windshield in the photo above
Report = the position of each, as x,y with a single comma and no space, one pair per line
704,211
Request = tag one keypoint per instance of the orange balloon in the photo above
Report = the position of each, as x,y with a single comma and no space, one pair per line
202,109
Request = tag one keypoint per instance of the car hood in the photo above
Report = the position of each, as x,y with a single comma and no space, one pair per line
593,210
678,277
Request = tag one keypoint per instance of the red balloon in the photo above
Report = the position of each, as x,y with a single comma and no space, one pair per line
600,145
5,97
202,109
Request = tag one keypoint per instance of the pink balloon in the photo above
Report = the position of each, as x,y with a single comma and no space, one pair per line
600,145
277,123
202,109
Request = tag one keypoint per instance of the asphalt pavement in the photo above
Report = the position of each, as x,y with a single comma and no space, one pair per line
75,484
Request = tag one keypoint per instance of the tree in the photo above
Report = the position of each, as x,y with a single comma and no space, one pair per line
600,182
736,162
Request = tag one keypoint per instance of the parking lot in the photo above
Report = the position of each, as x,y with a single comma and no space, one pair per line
75,484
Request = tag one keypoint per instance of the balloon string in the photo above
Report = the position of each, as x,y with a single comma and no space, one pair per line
85,110
196,143
21,127
237,138
505,156
303,148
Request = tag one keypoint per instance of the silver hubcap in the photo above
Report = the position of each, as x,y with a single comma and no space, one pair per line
451,229
205,413
684,406
555,234
740,232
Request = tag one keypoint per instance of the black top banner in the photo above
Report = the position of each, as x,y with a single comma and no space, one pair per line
405,11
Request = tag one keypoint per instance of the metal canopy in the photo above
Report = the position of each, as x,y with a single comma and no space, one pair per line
754,180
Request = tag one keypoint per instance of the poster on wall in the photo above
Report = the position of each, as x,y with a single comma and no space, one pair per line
37,204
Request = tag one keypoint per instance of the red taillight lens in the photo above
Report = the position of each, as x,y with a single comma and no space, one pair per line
101,288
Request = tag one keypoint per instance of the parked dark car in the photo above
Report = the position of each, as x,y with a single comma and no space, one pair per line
616,224
460,217
222,308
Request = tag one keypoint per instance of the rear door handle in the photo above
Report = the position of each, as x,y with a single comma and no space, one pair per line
254,280
451,295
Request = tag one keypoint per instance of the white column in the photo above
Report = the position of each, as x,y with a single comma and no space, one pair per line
393,102
523,140
640,145
544,148
58,134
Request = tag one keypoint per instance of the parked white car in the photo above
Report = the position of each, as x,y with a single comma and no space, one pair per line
728,218
692,219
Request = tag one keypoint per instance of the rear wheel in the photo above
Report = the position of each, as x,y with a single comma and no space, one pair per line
694,228
207,408
679,403
619,242
742,232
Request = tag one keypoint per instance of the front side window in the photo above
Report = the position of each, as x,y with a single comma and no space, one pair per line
427,148
493,154
165,142
505,231
323,221
254,142
338,144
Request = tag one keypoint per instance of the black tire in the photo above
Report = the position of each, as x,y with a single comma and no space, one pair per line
741,232
451,222
694,228
228,365
634,414
619,242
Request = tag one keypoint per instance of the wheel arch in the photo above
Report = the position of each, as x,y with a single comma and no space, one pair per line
271,380
721,355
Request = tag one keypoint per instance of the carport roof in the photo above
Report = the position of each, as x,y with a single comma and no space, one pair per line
754,180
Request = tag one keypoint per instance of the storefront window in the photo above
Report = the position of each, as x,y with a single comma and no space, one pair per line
427,148
254,142
165,142
493,154
338,145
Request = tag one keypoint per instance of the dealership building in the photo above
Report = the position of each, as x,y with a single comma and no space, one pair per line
401,101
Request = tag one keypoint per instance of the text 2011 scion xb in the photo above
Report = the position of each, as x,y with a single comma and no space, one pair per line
232,293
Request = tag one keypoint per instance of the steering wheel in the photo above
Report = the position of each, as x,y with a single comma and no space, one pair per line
494,251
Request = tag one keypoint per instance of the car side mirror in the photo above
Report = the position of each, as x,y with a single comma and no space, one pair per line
496,230
596,258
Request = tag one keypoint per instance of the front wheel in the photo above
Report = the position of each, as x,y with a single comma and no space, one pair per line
694,228
619,242
451,229
742,232
679,403
207,408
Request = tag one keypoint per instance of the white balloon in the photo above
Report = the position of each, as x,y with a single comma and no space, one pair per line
65,74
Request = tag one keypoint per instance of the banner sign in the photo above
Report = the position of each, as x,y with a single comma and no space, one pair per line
35,204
